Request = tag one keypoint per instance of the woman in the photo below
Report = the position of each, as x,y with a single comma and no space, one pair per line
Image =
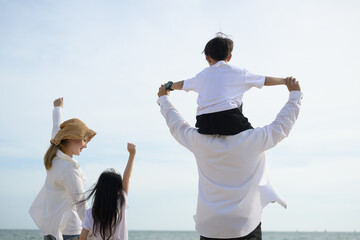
55,210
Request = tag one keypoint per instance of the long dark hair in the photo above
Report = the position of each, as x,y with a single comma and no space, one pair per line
105,210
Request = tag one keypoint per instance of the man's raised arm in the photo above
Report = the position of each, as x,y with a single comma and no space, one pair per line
179,128
285,120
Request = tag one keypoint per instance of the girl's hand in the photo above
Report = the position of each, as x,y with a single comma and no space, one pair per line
59,102
131,148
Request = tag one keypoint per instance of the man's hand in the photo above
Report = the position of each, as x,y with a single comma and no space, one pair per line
59,102
163,91
292,84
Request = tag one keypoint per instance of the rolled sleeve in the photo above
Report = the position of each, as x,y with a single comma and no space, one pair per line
74,186
190,84
87,223
179,128
285,120
57,116
253,80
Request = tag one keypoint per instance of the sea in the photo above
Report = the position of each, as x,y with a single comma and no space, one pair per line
189,235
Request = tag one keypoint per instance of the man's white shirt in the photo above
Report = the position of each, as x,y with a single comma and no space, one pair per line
233,183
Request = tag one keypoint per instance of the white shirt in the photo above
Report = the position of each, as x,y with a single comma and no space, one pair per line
233,185
57,116
221,87
121,231
55,210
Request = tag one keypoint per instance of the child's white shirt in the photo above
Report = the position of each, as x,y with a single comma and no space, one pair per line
121,230
221,87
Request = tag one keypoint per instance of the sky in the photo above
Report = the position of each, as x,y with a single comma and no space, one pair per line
108,58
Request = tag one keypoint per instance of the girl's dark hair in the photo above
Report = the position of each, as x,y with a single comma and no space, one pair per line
219,48
105,210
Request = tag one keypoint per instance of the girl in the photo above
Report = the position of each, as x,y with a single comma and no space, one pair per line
107,217
54,209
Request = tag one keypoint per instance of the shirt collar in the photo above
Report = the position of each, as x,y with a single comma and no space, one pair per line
219,63
63,156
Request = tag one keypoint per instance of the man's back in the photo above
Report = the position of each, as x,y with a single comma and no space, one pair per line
233,182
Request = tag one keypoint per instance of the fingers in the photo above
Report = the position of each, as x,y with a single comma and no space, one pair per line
131,145
162,90
59,102
290,80
131,148
292,84
162,87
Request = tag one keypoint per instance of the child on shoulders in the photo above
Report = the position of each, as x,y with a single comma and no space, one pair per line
220,89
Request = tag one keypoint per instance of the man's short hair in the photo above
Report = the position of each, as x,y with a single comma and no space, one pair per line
219,48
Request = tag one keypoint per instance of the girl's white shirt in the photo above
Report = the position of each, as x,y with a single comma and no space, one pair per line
121,231
56,210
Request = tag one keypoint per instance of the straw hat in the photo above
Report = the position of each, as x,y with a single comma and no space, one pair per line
73,129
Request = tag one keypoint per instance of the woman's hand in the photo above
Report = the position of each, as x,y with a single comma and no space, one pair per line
59,102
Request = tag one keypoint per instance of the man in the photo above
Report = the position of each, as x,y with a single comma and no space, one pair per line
233,184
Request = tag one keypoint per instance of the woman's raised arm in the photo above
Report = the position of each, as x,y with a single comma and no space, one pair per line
57,116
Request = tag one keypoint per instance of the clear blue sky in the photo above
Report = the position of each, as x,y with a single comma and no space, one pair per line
107,59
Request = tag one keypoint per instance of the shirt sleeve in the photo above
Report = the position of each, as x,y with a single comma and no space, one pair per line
273,133
191,84
87,222
57,120
179,128
126,205
253,80
74,187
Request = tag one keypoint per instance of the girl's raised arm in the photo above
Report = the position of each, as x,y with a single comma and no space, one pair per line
127,173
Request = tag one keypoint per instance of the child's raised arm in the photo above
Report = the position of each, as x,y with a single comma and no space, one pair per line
271,81
127,173
174,86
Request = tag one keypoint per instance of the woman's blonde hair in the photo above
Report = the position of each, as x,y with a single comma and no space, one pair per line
51,153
